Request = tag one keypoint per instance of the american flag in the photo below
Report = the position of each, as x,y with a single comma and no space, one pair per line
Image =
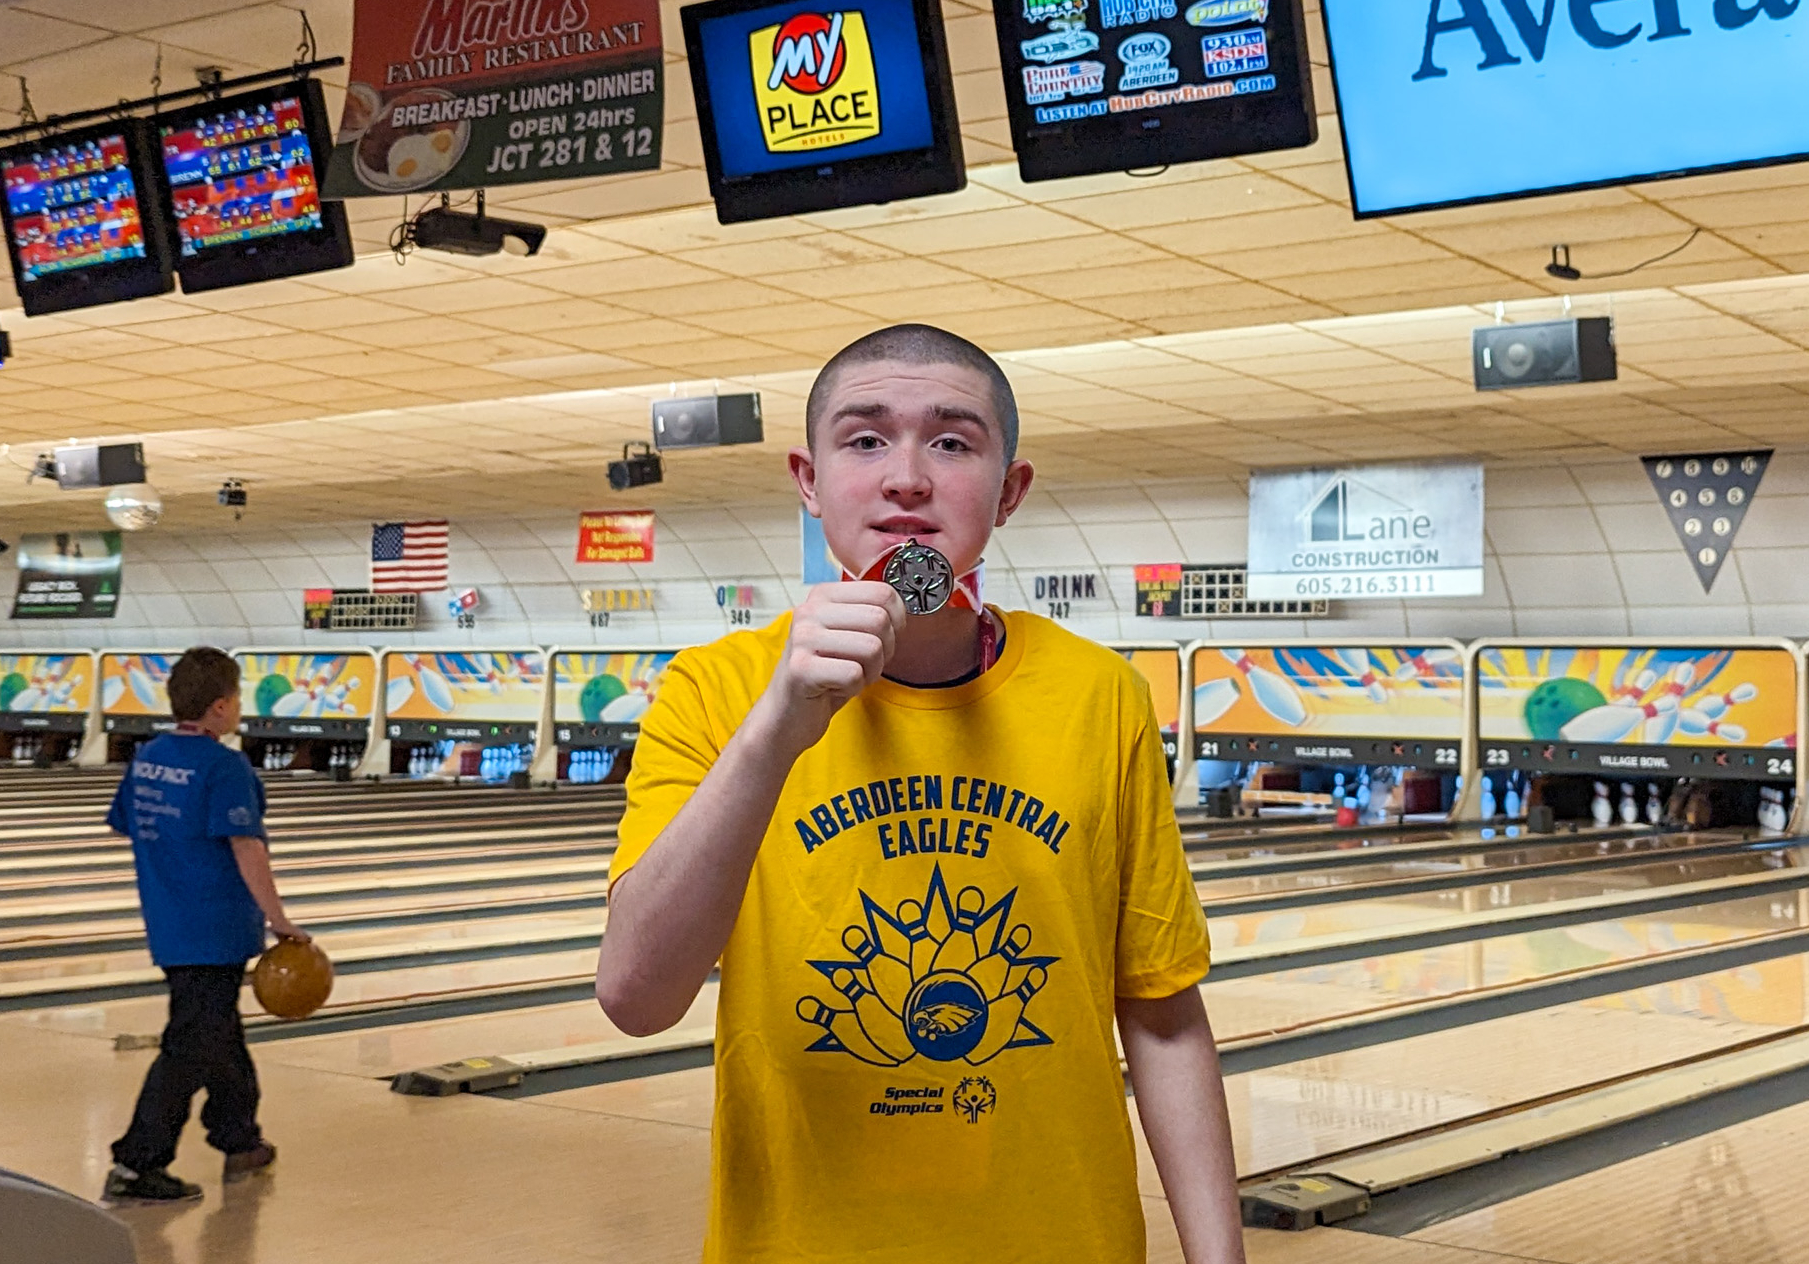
408,556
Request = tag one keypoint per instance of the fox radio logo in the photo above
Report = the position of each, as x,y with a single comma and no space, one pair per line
814,82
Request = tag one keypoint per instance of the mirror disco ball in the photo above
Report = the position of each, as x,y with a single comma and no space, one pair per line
134,507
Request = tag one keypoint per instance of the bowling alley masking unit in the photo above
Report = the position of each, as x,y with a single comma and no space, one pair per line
1263,714
1625,724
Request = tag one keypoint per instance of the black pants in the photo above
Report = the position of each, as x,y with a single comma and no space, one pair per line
203,1048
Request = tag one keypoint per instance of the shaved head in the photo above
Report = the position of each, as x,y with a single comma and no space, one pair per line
917,344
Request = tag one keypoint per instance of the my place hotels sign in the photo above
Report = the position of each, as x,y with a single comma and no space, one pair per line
463,94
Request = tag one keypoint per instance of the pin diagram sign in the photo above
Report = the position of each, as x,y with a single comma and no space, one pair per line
1706,496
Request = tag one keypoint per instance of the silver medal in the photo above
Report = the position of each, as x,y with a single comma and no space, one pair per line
922,576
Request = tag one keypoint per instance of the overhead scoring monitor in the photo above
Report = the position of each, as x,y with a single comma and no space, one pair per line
245,188
1460,101
1119,85
807,107
84,218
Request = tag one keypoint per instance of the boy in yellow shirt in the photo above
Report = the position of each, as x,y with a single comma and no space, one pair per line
936,856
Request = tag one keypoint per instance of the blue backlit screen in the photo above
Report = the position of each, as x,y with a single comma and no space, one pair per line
808,84
1451,101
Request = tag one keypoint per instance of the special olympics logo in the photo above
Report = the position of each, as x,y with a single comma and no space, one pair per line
947,980
975,1096
808,53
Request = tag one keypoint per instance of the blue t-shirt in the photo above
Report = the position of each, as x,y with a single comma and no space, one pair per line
183,799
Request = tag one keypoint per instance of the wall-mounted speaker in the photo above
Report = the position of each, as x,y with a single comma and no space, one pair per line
709,421
106,465
1547,353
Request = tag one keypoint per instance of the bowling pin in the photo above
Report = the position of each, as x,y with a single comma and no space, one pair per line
1601,809
1613,722
1488,796
290,704
434,685
912,917
1358,664
112,690
400,690
883,1027
990,971
1510,803
1213,699
1634,691
1427,663
1655,808
889,977
1363,790
1274,693
1715,706
960,950
143,688
1003,1014
1660,726
1629,808
846,1028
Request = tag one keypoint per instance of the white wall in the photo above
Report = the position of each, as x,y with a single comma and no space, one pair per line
1573,550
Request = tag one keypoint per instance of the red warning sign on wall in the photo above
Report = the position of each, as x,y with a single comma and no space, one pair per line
616,536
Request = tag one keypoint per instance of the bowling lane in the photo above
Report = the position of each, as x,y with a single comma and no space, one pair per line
120,915
1511,857
145,1015
1242,1008
1288,1115
451,932
1492,891
473,873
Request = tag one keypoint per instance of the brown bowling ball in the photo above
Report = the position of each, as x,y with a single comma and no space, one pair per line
292,979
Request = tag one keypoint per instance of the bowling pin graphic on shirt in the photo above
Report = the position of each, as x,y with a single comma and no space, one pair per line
1273,692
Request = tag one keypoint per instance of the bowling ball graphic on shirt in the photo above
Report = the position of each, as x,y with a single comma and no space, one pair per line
598,693
941,979
11,687
946,1016
1556,703
271,690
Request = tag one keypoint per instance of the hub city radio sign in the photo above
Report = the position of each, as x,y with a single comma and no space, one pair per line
1379,531
814,82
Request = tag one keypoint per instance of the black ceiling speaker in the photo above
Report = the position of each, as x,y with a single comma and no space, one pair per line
1547,353
708,421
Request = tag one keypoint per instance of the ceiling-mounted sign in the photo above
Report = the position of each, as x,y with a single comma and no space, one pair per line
1146,83
68,575
1706,497
616,536
468,94
1376,531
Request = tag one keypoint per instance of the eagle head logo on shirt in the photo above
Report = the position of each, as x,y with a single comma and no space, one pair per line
936,978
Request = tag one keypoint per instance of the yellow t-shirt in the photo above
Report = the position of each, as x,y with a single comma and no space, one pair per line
914,1048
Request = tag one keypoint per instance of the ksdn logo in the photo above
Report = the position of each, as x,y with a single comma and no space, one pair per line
814,82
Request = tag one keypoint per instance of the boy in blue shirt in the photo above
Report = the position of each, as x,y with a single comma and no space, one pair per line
195,813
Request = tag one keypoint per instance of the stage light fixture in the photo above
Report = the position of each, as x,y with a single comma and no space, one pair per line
638,469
